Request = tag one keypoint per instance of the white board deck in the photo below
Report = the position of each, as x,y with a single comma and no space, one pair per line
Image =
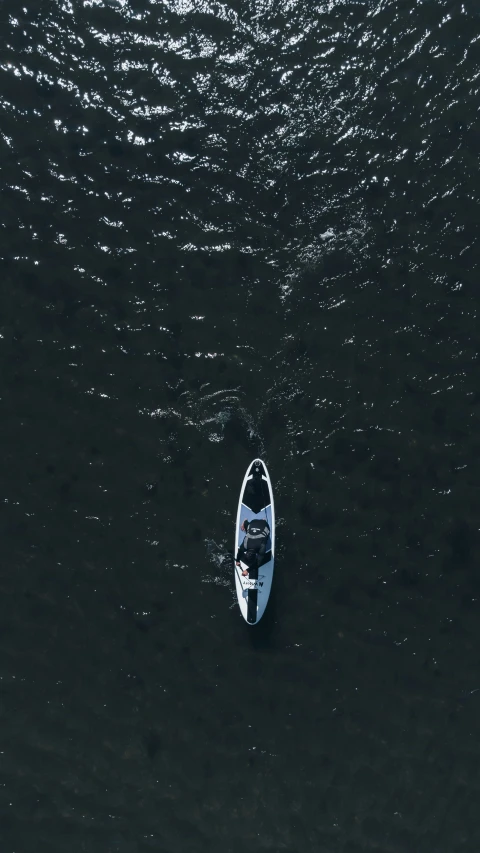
256,501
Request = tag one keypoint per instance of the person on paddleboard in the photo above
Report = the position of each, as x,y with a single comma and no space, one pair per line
252,550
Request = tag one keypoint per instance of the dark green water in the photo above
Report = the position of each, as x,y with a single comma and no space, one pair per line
231,230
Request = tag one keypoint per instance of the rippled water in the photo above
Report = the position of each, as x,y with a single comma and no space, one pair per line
230,230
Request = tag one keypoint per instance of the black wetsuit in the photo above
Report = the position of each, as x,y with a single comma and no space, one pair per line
252,550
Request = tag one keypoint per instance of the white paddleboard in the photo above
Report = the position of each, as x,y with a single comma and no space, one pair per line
256,501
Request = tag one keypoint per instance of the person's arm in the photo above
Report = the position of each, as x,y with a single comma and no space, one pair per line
240,553
241,550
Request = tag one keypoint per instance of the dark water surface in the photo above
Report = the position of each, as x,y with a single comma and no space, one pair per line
230,230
